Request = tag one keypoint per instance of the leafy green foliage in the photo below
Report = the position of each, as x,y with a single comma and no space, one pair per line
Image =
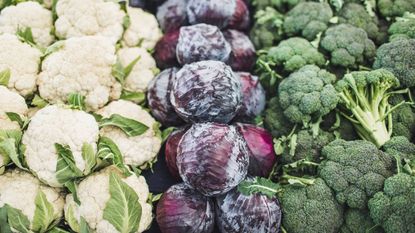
5,77
120,72
38,102
77,101
129,126
109,152
267,29
44,214
259,185
10,146
136,97
26,35
17,219
66,169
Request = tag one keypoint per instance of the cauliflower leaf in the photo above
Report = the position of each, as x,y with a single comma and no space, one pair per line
129,126
5,77
44,216
18,220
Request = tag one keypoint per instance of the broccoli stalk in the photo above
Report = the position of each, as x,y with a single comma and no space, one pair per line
364,96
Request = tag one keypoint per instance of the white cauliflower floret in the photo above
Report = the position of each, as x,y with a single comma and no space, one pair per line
82,66
135,150
23,62
94,193
51,125
28,14
19,189
143,31
10,102
88,18
143,71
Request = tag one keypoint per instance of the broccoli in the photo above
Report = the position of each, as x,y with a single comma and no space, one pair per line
394,207
403,119
400,146
308,19
364,101
403,28
397,56
294,53
392,8
310,209
307,95
267,29
280,5
348,46
275,120
358,221
355,170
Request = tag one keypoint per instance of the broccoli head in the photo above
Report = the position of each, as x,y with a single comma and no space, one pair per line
310,209
280,5
400,146
267,29
364,101
358,221
397,56
403,28
348,46
308,19
308,94
393,8
403,118
355,170
294,53
394,208
275,120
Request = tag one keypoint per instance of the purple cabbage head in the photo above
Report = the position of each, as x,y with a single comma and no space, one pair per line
240,18
257,213
212,158
183,210
172,15
158,97
165,50
170,151
201,42
206,91
243,56
262,156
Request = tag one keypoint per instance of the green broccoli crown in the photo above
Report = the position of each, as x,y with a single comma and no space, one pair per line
403,118
348,46
355,170
308,94
356,15
267,29
275,120
280,5
294,53
364,98
310,209
400,146
397,57
392,8
308,19
394,208
403,28
358,221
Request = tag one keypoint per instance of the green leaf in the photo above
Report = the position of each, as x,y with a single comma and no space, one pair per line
44,215
126,21
39,102
66,169
259,185
58,230
156,197
118,72
18,220
129,67
9,147
71,218
88,155
71,186
108,151
136,97
16,118
166,133
84,228
54,14
4,223
26,35
122,210
76,101
128,126
5,77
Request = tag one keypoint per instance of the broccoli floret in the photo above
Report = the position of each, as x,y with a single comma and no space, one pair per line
267,29
355,170
307,95
308,19
280,5
398,56
400,146
358,221
403,28
392,8
310,209
394,208
348,46
403,118
364,101
294,53
275,120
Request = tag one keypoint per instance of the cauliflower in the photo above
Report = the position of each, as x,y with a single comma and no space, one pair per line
28,15
51,125
143,71
87,18
22,61
83,65
135,150
143,30
100,193
24,196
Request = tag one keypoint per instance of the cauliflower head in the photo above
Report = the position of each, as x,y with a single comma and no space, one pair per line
82,65
143,71
136,150
143,31
28,15
22,61
41,205
95,194
51,125
78,18
10,102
